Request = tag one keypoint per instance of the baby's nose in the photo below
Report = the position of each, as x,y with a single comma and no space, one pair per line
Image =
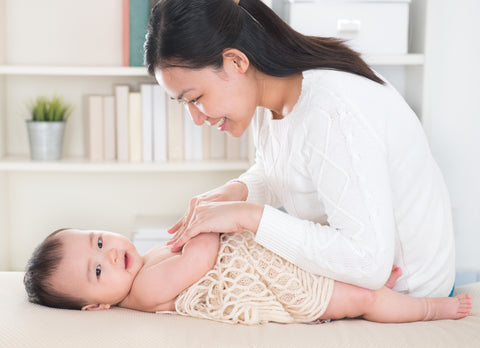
113,256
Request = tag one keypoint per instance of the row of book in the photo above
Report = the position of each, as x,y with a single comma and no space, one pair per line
147,126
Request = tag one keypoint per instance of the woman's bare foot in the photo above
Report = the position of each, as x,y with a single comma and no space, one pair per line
448,307
394,275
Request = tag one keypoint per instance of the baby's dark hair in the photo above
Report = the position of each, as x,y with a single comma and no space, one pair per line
40,268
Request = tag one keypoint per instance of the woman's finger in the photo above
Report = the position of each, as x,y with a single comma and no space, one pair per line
175,227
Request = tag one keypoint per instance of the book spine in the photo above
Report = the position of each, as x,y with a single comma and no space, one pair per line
232,148
138,14
206,141
121,110
159,125
197,142
188,136
125,32
95,127
109,128
217,144
175,140
135,126
147,122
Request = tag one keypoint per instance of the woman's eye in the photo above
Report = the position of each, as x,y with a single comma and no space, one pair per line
98,270
100,243
194,101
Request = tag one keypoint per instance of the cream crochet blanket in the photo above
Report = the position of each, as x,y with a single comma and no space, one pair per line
250,285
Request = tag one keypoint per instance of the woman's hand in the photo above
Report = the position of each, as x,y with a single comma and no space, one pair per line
231,191
217,217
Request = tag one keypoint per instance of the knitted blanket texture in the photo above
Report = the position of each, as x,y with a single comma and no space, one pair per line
249,284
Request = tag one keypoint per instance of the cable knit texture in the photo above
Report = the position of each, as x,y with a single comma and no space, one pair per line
351,166
251,285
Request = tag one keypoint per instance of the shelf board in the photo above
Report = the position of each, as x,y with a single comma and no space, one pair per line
38,70
72,70
395,59
82,165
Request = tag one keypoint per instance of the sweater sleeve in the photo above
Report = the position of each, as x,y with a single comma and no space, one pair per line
349,170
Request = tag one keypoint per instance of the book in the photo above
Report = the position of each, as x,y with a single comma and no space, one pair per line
159,125
109,129
139,11
125,32
197,142
187,136
232,149
146,91
135,126
95,128
244,144
206,142
121,111
217,144
175,142
193,139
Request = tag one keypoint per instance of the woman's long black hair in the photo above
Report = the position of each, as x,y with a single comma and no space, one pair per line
194,33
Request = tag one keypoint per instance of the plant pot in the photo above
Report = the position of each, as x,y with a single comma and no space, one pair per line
46,140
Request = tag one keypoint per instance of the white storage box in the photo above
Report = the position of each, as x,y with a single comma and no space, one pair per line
370,26
150,231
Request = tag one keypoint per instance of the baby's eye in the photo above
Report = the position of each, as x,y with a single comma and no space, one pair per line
100,243
98,271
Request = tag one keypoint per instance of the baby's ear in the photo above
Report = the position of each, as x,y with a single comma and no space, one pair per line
95,307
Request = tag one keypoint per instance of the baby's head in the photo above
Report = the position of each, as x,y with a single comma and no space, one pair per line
82,269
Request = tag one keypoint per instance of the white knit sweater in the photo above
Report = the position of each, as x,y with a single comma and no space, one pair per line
352,167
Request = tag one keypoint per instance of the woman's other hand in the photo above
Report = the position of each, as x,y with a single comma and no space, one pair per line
231,191
217,217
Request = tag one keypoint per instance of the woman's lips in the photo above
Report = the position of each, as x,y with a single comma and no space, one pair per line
221,124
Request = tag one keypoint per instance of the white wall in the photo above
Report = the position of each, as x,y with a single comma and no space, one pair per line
452,114
3,177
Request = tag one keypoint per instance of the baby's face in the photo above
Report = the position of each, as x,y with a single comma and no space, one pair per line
96,266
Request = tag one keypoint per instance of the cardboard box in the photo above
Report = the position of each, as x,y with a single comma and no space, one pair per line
370,27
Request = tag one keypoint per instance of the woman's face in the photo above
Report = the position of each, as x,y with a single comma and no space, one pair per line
226,98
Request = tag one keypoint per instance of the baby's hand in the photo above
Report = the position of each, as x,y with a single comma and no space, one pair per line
218,217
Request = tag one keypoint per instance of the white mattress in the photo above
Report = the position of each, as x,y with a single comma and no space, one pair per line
23,324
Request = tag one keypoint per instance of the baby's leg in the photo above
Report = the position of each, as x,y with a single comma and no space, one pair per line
387,306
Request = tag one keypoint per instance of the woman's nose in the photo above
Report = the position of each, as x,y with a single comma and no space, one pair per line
112,256
197,116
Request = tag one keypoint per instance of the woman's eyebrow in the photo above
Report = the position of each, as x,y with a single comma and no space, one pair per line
180,97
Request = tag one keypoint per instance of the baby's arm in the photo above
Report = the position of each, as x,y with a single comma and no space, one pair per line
158,284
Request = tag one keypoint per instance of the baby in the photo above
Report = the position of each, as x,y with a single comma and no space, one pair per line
229,278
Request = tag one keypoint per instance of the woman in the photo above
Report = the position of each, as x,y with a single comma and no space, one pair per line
337,147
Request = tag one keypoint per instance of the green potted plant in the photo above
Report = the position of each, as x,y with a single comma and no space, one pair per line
46,127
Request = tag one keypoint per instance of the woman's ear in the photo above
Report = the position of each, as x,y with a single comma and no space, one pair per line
96,307
236,59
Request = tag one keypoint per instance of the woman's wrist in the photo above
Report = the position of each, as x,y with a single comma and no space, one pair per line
237,190
253,214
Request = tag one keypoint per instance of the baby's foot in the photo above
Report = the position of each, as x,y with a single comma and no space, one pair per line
450,307
394,275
